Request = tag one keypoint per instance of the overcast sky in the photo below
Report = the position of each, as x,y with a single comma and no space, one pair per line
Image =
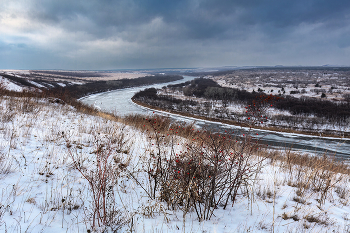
114,34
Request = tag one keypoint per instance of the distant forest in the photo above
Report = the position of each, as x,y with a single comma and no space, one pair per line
210,90
69,74
80,90
102,86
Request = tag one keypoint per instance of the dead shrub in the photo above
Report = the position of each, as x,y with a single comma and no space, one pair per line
102,176
299,200
209,173
322,219
286,216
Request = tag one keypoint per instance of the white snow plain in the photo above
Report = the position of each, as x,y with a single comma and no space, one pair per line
41,191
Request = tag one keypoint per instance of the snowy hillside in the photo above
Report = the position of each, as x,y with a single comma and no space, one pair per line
10,86
64,171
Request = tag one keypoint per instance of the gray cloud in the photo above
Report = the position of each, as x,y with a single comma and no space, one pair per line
105,34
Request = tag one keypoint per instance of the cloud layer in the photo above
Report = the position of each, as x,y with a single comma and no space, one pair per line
110,34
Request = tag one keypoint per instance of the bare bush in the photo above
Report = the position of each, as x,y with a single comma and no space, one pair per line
28,105
109,161
208,173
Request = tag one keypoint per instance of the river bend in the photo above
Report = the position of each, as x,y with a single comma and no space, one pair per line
119,102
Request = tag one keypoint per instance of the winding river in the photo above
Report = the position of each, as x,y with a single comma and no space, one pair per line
119,102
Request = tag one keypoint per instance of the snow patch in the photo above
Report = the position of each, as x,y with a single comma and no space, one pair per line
8,85
36,84
61,84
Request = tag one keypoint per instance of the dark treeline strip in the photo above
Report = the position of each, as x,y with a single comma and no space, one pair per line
77,90
197,87
18,80
59,96
319,108
149,99
102,86
72,74
273,70
209,89
308,106
149,95
69,94
24,82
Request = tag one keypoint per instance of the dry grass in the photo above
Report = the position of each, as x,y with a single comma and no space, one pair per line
209,165
103,175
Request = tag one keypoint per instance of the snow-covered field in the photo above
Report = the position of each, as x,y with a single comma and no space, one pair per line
276,117
300,83
117,76
62,78
42,145
8,85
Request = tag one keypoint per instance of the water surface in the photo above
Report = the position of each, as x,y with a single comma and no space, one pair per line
119,102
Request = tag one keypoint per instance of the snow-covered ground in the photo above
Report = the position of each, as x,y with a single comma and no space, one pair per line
276,117
36,84
42,191
298,84
8,85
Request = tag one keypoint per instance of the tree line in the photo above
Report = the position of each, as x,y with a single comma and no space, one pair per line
102,86
211,90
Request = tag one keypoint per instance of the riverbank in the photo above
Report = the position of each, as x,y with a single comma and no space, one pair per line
230,122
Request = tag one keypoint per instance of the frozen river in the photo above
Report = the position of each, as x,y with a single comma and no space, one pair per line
119,102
